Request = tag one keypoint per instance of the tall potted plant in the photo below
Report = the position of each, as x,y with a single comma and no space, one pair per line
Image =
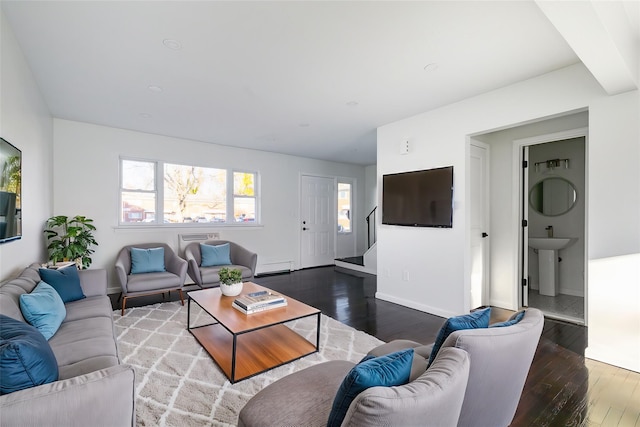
71,239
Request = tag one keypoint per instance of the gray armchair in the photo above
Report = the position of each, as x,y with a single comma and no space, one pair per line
305,397
241,258
135,285
500,362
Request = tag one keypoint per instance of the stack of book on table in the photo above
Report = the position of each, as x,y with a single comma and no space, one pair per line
258,301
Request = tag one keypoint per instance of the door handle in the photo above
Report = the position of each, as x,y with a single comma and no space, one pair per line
484,235
304,228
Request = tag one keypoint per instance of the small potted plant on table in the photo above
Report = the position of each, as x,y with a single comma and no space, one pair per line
230,281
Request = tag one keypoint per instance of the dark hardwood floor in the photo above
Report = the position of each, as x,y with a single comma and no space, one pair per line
562,389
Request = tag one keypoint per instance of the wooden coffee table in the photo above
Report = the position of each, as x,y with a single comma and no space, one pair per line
244,345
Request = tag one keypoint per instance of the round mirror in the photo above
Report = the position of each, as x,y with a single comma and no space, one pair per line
552,196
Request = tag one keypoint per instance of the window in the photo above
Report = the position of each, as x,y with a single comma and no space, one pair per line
244,197
188,194
138,191
344,207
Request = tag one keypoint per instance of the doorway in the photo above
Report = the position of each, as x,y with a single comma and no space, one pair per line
553,220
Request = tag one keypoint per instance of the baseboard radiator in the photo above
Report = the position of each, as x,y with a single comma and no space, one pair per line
273,267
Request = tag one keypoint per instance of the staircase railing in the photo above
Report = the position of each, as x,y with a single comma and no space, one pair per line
371,228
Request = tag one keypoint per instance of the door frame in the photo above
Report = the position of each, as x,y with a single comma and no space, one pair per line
486,289
518,207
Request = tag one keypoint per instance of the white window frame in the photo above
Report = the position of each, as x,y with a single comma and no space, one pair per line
159,193
351,189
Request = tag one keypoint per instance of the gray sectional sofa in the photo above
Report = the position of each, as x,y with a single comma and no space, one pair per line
94,388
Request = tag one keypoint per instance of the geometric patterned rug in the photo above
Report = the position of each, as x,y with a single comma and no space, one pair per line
177,382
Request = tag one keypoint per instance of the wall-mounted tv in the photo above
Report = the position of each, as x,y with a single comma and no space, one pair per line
419,198
10,192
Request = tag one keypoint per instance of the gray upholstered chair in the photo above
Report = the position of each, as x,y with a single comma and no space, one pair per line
305,397
241,258
500,362
135,285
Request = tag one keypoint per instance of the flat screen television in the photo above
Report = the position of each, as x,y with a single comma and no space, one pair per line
10,192
419,198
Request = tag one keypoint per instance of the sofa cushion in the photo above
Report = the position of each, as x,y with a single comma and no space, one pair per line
98,306
65,281
150,260
477,319
152,282
314,389
43,308
26,359
389,370
213,255
511,321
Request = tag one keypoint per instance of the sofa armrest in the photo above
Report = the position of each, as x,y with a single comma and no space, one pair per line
194,265
243,256
93,282
100,398
177,266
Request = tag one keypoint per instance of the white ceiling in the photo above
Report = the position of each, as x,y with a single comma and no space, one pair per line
277,76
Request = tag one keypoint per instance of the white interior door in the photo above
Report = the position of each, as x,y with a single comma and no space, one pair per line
318,221
479,170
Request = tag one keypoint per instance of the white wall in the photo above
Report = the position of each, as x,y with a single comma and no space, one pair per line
614,230
371,197
25,122
86,180
437,261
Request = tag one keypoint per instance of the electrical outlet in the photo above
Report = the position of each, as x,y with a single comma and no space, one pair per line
387,272
405,275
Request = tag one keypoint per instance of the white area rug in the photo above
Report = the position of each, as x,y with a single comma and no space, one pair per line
177,382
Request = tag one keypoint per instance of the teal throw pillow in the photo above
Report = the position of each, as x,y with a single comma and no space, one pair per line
475,320
386,371
213,255
26,359
65,281
512,320
44,309
147,260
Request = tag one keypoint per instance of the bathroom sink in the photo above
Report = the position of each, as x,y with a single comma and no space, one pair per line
550,243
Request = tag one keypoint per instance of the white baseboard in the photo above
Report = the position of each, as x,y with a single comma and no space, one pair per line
412,304
613,356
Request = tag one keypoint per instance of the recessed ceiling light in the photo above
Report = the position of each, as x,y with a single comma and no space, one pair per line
172,44
352,103
154,88
145,115
431,67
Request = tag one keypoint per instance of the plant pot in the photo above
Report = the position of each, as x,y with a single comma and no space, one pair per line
231,290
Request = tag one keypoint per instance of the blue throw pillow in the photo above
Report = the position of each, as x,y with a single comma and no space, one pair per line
43,308
213,255
147,260
475,320
386,371
512,321
65,281
26,359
